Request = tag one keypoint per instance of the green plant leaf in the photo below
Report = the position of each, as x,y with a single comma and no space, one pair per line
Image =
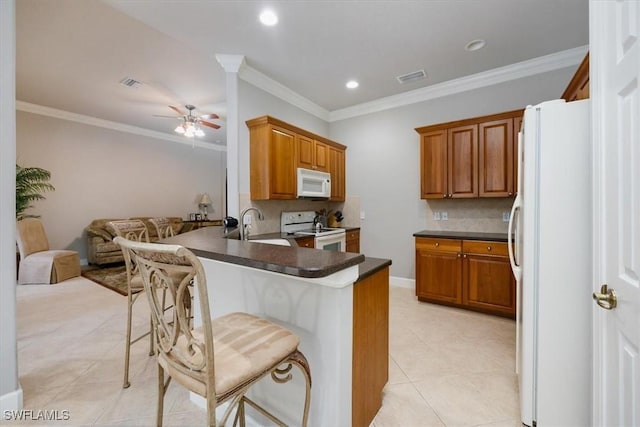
30,184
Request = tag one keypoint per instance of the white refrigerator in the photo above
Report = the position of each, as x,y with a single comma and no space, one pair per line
550,251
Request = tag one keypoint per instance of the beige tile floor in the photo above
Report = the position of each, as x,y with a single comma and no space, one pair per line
448,367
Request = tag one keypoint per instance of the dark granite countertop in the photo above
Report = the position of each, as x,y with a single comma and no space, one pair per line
466,235
210,242
370,266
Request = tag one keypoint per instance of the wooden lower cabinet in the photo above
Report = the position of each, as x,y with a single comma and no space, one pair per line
306,241
470,274
370,369
353,241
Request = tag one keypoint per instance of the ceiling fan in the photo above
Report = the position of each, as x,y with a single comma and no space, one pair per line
190,123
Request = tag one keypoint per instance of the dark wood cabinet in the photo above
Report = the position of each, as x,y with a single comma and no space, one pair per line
488,283
578,87
433,161
337,170
277,149
475,275
306,241
353,241
495,169
469,158
438,270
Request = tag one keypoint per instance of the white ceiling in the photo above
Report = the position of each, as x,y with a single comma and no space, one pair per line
71,54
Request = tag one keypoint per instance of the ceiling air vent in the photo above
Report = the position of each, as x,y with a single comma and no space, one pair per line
129,82
412,77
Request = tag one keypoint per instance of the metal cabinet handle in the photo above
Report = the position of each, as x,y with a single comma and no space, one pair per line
437,244
464,256
459,255
606,298
489,248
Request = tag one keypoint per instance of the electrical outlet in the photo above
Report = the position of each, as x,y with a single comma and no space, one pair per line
444,215
436,216
247,219
505,216
361,214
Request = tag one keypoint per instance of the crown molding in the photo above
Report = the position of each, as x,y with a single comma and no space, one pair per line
121,127
261,81
230,63
554,61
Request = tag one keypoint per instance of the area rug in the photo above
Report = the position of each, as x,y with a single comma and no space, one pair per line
114,278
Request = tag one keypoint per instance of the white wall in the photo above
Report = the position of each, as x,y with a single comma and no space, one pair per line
103,173
383,164
10,392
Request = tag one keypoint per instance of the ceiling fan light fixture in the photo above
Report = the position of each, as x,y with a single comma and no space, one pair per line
352,84
199,132
179,129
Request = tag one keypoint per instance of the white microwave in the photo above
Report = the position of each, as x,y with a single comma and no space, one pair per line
313,184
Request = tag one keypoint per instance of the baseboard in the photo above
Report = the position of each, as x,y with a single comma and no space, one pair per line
401,282
11,401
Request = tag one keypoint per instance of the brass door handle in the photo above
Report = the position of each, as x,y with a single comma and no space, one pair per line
606,298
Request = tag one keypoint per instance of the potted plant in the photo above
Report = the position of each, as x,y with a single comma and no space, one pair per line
30,184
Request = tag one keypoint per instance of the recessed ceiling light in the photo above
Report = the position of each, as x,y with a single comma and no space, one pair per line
268,18
352,84
475,45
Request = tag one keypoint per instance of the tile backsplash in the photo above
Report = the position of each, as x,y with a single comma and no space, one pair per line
469,214
272,210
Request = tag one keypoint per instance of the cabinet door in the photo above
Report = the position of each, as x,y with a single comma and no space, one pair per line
337,171
488,283
305,152
462,156
438,276
353,241
282,164
495,167
517,123
433,165
320,156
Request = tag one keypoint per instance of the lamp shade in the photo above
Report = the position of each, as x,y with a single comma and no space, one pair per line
205,199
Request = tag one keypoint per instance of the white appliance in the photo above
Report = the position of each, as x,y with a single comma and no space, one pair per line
550,252
313,184
305,223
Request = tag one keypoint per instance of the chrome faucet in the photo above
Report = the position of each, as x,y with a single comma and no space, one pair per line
244,230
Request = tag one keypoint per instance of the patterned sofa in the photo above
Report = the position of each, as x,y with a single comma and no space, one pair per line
100,247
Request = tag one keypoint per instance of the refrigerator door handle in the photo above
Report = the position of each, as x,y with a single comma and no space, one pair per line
511,238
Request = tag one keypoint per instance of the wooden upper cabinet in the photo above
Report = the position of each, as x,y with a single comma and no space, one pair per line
578,87
469,158
517,124
495,168
462,162
313,154
272,164
337,170
433,160
277,149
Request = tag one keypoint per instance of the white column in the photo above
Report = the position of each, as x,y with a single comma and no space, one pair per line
10,392
231,65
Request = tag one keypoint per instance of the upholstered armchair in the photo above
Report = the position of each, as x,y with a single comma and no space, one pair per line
38,263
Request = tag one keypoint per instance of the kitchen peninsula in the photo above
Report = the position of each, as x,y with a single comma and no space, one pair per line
336,302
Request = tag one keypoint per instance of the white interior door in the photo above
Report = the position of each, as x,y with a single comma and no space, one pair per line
615,94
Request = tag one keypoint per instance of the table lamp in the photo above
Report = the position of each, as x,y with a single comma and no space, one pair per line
205,201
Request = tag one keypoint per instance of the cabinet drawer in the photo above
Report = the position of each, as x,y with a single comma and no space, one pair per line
353,235
481,247
306,242
443,245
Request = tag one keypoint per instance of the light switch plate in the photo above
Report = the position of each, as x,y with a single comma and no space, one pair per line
444,215
436,216
505,216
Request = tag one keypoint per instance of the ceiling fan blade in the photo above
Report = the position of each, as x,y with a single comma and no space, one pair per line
211,125
177,110
209,116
